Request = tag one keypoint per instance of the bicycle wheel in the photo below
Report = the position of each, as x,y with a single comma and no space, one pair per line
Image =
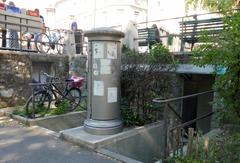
83,103
42,43
42,101
60,45
74,97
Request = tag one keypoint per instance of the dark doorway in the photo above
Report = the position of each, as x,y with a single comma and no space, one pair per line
189,111
37,68
197,106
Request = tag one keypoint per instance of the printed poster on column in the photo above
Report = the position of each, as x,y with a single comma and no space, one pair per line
98,50
112,50
98,88
105,66
112,95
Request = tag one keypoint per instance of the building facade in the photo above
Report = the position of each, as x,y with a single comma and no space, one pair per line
99,13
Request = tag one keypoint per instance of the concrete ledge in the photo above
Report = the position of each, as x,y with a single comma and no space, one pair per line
132,145
55,123
81,137
46,131
117,156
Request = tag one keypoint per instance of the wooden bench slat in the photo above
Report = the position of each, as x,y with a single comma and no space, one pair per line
146,36
211,20
199,25
203,29
193,30
204,32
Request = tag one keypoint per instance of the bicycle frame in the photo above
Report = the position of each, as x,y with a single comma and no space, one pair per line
54,90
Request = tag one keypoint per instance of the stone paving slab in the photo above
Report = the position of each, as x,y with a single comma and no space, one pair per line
20,144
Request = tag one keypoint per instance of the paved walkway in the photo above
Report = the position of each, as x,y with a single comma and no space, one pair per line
20,144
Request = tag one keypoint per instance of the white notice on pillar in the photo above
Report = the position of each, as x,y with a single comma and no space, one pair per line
105,66
112,95
112,50
98,88
98,50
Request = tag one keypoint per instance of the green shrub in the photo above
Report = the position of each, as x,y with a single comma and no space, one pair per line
223,148
144,77
61,109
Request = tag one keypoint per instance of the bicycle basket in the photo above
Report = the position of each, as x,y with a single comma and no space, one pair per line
76,82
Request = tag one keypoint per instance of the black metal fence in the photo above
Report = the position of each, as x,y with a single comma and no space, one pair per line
175,134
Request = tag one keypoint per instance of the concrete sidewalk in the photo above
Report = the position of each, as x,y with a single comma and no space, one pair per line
20,144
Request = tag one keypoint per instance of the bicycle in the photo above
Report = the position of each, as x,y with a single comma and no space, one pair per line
51,40
40,102
84,95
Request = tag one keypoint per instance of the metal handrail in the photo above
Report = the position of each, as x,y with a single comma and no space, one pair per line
167,129
158,100
178,17
191,121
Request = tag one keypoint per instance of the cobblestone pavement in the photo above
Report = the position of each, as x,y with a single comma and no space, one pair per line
21,144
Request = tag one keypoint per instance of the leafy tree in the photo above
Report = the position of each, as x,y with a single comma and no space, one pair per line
223,53
213,5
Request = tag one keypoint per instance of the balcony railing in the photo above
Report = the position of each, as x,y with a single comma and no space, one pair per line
21,32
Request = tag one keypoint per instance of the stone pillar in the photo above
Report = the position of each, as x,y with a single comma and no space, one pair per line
104,67
69,43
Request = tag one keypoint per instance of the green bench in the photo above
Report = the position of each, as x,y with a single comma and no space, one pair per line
192,30
148,36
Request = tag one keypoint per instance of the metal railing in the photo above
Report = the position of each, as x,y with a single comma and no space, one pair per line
173,128
19,23
25,30
170,30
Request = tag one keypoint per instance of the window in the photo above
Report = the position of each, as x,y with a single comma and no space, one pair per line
136,13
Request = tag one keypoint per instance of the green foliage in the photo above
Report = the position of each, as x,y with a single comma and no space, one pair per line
39,111
223,148
144,78
224,52
159,54
212,5
82,105
130,118
19,112
61,109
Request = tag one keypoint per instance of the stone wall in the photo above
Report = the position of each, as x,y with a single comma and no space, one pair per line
78,65
16,72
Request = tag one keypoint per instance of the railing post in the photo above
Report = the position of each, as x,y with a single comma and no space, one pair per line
33,102
182,42
190,141
165,131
